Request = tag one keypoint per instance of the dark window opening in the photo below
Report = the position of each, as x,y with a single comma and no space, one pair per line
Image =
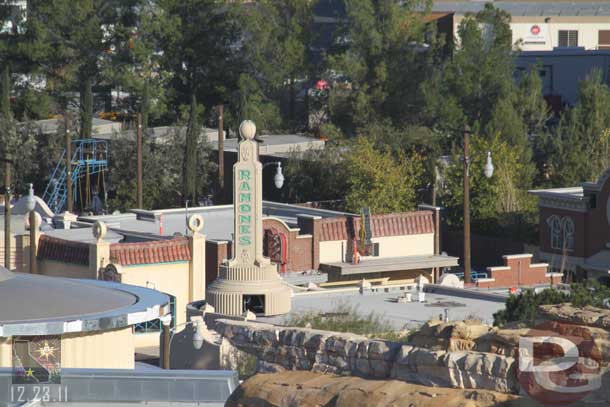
568,38
254,303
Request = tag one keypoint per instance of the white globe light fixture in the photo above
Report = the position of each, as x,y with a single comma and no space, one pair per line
30,202
198,337
279,177
489,167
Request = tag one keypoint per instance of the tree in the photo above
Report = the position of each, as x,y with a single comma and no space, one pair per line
497,203
476,86
379,42
579,149
135,65
163,170
198,50
379,179
274,56
69,40
316,175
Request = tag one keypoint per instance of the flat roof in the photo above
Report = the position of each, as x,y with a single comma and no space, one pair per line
540,8
39,305
379,265
278,144
399,315
570,193
564,52
217,220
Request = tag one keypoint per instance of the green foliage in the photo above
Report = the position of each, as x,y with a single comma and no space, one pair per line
379,56
197,41
316,175
497,203
378,179
579,149
68,39
523,307
163,169
347,318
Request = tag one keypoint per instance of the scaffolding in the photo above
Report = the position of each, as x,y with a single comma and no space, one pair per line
90,159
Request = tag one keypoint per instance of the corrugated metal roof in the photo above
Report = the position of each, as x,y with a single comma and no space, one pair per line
539,8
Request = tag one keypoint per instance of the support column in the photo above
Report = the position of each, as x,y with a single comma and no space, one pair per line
35,222
197,263
7,214
165,351
99,252
467,266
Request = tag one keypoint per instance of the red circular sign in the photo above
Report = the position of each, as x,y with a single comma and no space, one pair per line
558,363
535,30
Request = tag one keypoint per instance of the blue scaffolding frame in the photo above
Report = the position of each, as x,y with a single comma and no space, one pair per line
87,152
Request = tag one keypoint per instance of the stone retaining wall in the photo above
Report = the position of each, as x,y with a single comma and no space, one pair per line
349,354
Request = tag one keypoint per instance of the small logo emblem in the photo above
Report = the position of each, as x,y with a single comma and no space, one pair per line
535,30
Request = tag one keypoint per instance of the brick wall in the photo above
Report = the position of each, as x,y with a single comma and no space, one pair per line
518,270
298,247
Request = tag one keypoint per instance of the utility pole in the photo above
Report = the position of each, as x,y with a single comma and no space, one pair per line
467,277
221,153
69,198
7,213
140,193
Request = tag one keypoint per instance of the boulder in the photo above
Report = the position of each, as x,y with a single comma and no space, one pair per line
308,389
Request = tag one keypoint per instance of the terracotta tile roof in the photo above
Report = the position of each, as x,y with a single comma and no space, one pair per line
159,251
65,251
394,224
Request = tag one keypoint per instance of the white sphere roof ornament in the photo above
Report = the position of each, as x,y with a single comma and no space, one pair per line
99,230
247,130
195,223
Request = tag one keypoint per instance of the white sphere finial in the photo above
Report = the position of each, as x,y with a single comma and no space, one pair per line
99,230
247,129
195,223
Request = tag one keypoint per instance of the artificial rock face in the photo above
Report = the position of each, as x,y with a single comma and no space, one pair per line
249,276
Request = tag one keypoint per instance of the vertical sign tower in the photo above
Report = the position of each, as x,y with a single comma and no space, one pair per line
249,281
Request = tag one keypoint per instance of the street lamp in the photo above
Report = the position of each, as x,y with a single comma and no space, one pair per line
169,333
488,171
30,202
278,179
30,205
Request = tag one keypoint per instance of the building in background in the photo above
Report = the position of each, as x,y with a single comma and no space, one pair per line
544,25
561,71
575,228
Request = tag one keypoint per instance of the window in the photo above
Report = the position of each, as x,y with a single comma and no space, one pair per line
603,39
568,38
562,232
568,234
555,225
155,325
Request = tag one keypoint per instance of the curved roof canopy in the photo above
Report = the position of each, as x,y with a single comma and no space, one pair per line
39,305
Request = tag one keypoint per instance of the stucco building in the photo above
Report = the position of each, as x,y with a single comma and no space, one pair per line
541,25
92,322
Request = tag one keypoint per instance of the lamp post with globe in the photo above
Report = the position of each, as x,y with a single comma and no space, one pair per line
30,205
488,171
